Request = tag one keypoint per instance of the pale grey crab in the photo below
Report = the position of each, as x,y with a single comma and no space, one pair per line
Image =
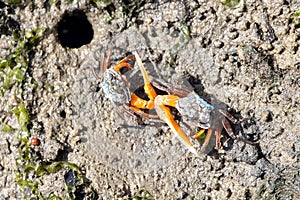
192,108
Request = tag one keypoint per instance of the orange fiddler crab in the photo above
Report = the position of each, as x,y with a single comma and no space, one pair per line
192,108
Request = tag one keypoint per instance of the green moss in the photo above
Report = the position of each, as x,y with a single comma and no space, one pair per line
13,77
13,67
143,195
14,1
295,19
185,33
30,184
22,116
231,3
54,197
6,128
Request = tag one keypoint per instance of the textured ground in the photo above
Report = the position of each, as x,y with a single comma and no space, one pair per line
245,58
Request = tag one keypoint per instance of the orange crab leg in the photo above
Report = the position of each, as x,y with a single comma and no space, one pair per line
138,102
207,139
142,113
199,133
164,114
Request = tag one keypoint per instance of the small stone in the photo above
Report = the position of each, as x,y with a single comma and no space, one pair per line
35,141
266,116
218,44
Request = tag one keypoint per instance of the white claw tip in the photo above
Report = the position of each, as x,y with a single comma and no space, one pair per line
193,150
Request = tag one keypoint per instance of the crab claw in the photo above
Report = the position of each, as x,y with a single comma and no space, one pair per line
164,114
149,90
161,103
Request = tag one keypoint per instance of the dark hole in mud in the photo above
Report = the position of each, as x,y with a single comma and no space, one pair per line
74,30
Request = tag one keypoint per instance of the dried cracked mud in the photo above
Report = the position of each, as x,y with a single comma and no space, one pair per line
243,58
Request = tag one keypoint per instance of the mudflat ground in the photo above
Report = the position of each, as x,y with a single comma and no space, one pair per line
241,56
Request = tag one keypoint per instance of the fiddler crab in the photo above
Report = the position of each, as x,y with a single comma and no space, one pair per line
116,87
192,108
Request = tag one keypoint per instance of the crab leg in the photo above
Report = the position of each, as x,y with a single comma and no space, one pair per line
207,139
136,102
218,137
105,64
199,133
107,61
160,104
232,118
229,130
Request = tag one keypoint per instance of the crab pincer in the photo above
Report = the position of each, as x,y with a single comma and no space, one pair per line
161,103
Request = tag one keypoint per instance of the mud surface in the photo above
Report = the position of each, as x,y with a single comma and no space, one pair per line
244,59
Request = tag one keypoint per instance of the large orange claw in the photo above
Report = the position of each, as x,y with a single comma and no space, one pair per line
149,90
164,114
161,103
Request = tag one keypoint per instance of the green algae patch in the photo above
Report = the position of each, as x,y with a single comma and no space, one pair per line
13,79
